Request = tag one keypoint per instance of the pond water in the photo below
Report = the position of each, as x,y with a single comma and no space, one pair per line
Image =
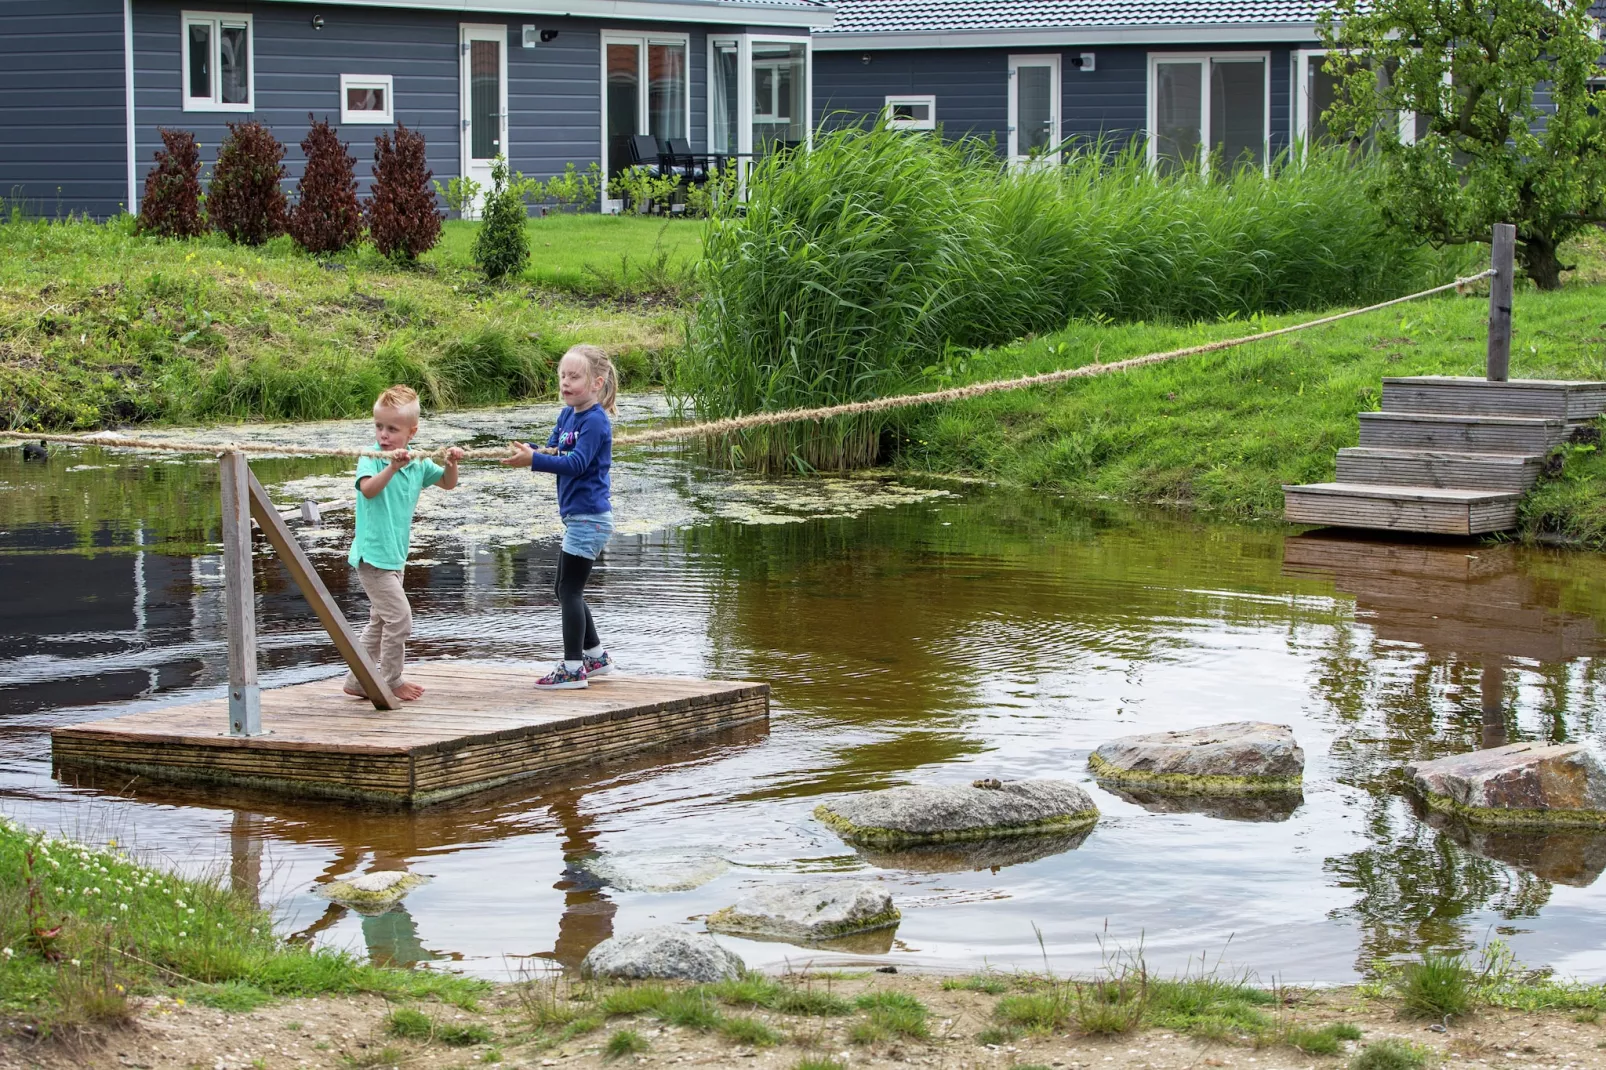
913,633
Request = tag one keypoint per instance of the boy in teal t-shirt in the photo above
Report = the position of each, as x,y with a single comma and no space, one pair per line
387,494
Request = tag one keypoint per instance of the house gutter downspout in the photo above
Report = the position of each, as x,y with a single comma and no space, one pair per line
128,102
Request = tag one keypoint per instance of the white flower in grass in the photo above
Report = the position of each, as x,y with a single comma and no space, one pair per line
181,932
122,906
7,952
191,910
181,904
75,962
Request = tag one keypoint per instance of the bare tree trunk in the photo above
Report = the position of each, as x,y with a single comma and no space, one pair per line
1540,263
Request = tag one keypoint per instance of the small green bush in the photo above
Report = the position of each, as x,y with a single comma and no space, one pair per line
889,1015
502,247
410,1024
1438,986
1390,1054
624,1042
1325,1040
749,1031
463,1036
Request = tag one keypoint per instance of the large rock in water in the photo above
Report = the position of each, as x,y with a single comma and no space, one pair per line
662,953
935,813
372,893
1519,784
1222,759
808,913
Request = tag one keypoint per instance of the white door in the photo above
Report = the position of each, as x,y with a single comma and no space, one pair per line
483,93
1034,109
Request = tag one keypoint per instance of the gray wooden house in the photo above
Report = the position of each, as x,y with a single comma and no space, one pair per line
1239,77
85,85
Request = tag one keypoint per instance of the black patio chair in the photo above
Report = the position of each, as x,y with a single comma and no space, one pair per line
644,151
679,159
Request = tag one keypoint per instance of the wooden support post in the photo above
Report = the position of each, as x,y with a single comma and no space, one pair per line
1493,689
1502,258
317,595
239,597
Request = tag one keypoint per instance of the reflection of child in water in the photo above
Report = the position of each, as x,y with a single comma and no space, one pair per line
579,451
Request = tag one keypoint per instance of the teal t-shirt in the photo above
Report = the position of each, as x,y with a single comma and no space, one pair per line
385,521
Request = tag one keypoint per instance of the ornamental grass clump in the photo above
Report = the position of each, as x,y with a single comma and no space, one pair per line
860,267
171,207
326,217
246,198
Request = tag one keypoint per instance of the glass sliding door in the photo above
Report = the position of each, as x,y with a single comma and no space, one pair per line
623,103
666,89
1238,113
645,92
724,102
1178,114
780,101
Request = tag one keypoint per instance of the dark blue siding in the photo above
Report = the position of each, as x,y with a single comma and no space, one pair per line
63,141
972,88
554,89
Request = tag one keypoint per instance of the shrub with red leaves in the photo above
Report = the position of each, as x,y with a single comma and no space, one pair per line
326,217
402,217
171,207
246,200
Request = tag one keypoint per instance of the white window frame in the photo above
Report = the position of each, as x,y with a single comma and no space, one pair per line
1303,58
744,89
1045,59
384,82
928,99
216,20
642,41
1204,59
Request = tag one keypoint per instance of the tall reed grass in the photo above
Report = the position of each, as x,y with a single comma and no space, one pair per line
858,265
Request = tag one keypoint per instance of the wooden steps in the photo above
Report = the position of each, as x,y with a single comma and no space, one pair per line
1448,455
1443,510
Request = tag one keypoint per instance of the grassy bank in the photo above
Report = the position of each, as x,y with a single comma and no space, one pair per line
100,326
84,930
1224,431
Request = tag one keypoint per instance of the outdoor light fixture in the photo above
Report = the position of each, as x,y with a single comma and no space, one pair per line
865,59
1083,63
317,22
548,36
532,35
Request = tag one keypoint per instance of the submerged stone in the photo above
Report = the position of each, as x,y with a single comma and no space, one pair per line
662,953
938,813
1223,759
1518,784
809,913
655,871
372,893
961,856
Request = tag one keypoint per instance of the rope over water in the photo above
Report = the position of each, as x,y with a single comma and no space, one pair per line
752,420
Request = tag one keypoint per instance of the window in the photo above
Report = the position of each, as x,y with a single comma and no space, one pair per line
780,96
218,63
367,98
912,113
1316,91
1220,103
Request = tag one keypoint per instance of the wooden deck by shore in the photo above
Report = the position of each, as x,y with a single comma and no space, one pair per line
479,725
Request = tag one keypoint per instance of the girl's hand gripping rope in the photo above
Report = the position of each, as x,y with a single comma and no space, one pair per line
520,455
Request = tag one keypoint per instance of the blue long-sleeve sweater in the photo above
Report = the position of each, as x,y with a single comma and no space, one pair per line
585,454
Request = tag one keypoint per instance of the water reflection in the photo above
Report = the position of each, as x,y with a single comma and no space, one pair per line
918,638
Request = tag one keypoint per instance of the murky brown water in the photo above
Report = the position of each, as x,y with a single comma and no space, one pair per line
912,634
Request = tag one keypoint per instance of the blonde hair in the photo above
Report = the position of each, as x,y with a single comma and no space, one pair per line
600,364
402,398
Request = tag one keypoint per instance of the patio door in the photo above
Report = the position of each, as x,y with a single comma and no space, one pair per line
1034,109
483,93
645,90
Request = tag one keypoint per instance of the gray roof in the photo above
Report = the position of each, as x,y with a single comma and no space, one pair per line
928,16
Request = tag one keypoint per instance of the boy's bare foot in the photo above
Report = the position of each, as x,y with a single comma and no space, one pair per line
408,691
353,694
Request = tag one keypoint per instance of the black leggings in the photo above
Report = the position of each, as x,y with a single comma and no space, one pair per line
578,631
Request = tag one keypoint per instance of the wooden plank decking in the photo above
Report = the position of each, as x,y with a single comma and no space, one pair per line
479,725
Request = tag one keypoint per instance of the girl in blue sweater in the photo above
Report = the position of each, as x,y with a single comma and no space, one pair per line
579,452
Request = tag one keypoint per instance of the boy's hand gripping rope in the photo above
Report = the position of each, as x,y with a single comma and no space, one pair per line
752,420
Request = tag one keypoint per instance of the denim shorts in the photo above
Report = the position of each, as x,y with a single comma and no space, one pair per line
585,534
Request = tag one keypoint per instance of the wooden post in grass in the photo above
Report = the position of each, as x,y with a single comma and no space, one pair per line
1502,257
312,589
239,597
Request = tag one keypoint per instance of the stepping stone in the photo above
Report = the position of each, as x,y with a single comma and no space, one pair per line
809,913
372,893
938,813
1224,759
1519,784
654,871
662,953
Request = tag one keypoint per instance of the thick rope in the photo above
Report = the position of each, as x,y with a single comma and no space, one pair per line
757,419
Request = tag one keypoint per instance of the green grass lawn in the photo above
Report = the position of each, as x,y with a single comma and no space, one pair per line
1224,431
590,253
99,326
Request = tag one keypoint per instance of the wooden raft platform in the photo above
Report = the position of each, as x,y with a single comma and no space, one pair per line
478,726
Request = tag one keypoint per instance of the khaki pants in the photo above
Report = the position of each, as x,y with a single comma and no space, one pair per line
390,622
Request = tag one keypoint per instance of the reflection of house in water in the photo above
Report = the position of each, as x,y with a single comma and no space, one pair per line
1478,604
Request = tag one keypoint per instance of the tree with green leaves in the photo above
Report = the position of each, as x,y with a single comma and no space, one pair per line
502,248
1482,148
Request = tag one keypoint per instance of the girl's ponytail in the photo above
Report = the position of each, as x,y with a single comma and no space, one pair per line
601,365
